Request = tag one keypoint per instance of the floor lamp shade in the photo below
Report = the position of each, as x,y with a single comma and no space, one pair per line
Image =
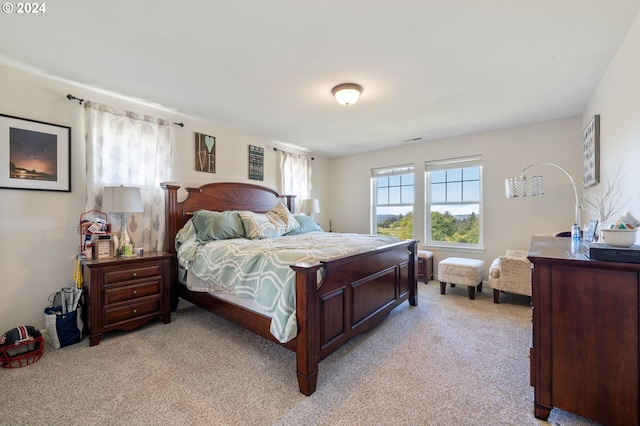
527,186
524,186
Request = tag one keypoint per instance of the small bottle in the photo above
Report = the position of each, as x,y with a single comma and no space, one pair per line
575,232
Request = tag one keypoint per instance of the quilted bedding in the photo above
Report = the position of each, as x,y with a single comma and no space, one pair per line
260,269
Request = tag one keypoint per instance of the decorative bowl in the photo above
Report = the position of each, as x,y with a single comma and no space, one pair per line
619,237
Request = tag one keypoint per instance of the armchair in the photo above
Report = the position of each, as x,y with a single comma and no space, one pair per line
510,273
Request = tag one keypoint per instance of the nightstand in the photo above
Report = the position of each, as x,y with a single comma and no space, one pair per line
125,292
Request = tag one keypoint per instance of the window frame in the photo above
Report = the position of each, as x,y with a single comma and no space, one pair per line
389,171
452,164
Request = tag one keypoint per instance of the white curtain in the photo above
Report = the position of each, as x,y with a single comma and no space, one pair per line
129,149
295,176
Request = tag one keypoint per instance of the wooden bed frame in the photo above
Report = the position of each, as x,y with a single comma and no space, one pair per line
357,292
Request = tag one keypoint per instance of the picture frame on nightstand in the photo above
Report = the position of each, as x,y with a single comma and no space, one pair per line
103,249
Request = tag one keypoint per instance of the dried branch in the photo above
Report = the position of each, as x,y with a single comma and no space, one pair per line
606,199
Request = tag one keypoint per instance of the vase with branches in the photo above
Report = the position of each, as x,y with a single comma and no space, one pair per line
605,199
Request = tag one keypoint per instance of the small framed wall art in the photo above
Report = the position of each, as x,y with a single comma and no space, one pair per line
591,152
34,155
205,153
256,162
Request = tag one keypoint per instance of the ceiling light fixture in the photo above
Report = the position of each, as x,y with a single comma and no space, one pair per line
347,93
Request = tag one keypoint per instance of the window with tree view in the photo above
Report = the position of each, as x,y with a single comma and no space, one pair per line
393,196
454,202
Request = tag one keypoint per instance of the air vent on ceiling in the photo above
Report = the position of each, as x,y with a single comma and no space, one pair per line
412,140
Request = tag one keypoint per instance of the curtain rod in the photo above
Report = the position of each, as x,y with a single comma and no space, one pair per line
80,101
290,153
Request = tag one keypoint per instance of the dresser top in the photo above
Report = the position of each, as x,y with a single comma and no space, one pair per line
562,250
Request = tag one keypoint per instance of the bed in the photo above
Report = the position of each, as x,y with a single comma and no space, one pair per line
335,299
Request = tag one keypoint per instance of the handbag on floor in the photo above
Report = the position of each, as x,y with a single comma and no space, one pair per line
63,322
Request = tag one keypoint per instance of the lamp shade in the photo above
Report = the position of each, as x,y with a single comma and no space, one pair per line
347,93
121,199
310,205
524,186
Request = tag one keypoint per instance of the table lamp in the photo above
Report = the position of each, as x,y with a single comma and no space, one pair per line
310,206
123,200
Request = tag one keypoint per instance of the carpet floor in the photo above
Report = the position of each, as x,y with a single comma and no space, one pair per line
448,361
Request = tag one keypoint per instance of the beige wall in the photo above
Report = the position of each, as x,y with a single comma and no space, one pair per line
508,223
617,101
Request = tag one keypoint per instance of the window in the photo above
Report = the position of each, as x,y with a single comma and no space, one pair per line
454,202
392,206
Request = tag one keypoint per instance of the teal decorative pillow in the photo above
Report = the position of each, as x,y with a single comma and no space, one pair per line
212,225
307,224
258,226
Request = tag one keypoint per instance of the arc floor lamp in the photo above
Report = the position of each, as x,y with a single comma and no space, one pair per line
527,186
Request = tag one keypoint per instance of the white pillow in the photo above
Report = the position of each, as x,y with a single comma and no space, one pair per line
281,216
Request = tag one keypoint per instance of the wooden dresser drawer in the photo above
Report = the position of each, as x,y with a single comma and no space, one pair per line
130,292
133,273
131,311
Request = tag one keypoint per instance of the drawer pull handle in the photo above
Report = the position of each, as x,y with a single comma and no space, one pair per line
135,311
135,274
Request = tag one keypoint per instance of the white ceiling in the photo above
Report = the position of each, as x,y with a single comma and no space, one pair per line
430,68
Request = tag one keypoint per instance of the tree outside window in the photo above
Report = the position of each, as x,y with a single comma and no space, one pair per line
393,198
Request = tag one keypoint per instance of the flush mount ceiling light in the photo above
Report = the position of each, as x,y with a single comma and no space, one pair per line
347,93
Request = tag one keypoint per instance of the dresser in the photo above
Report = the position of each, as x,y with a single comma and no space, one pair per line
125,292
584,355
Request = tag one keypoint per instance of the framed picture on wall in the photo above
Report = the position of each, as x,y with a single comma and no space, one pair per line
205,153
256,162
34,155
591,152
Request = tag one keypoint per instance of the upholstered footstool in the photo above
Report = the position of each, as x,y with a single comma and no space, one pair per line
459,270
425,265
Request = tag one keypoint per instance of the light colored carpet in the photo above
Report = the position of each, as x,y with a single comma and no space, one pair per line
449,361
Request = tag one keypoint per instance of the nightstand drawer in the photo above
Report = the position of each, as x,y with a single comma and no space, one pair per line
130,292
131,311
133,273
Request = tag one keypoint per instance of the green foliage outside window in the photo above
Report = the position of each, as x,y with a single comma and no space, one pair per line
448,228
400,226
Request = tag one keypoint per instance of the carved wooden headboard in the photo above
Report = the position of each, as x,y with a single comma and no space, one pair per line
218,196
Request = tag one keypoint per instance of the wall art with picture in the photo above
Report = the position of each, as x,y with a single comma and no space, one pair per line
591,152
205,153
34,155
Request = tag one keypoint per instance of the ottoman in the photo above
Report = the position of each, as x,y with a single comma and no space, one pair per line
425,265
458,270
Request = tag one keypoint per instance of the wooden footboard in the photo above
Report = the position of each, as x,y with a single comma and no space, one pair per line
355,293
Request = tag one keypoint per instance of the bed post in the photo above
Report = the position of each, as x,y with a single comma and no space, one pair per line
171,215
291,202
413,273
308,316
172,226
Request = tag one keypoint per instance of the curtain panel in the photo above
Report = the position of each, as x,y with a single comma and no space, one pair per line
129,149
295,176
